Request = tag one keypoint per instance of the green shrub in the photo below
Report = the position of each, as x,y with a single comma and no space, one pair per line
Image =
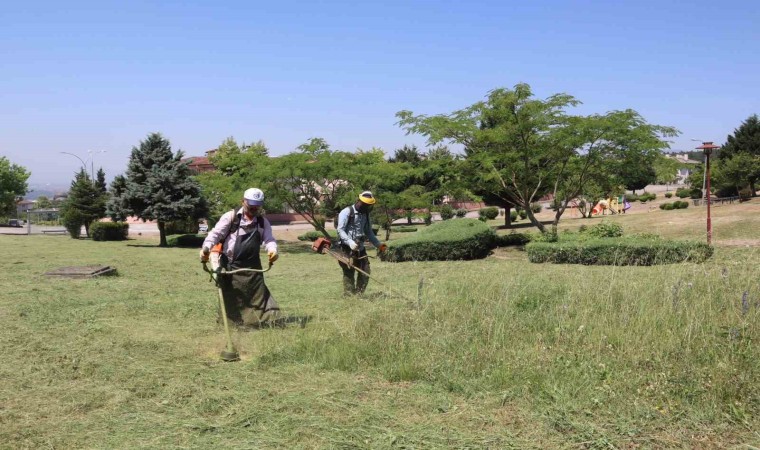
523,215
605,229
668,206
447,212
536,207
512,239
449,240
745,194
73,222
461,212
618,252
512,215
185,226
683,193
109,231
405,229
668,194
489,213
427,218
695,193
632,197
313,235
185,240
681,204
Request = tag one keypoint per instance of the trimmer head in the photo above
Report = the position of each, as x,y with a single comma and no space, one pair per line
321,245
230,356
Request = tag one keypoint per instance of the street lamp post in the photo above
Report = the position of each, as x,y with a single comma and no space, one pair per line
707,148
84,164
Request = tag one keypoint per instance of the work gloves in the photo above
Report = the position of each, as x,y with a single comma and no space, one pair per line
354,246
204,254
382,248
272,256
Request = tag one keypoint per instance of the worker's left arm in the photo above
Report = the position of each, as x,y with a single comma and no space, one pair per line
269,243
370,234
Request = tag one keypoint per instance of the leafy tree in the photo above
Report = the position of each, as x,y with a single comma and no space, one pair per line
85,204
521,148
745,140
735,173
43,202
159,186
666,169
239,167
311,181
13,185
636,170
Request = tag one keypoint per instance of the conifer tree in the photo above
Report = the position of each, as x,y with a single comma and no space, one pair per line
159,186
85,203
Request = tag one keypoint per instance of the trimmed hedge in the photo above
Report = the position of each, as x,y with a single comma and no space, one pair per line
109,231
488,213
512,239
678,204
618,252
185,240
313,235
404,229
444,241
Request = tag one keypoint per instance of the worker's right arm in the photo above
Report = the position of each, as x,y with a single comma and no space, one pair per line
342,228
216,234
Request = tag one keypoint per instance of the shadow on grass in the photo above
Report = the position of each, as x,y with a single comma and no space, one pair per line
282,322
518,226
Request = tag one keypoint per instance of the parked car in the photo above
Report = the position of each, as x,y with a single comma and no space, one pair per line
203,228
15,223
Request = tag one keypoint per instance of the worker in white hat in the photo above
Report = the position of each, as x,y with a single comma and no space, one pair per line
236,240
354,228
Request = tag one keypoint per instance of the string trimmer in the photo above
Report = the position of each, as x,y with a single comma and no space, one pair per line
230,353
323,246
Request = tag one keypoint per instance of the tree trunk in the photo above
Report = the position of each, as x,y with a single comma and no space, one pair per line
507,217
752,188
162,234
533,219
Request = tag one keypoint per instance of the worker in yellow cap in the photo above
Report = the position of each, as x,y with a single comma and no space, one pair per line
354,228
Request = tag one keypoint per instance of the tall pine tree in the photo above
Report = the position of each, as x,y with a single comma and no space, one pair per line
158,186
85,204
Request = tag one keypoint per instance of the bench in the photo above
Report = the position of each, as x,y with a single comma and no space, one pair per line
54,231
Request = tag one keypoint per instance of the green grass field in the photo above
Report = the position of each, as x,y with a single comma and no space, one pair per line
495,353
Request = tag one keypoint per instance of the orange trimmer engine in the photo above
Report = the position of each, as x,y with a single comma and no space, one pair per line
321,245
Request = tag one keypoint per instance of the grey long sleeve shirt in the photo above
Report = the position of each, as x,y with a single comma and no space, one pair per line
360,229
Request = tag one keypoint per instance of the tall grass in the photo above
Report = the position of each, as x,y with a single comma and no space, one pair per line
494,354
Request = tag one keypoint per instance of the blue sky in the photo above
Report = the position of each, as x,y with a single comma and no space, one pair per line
79,76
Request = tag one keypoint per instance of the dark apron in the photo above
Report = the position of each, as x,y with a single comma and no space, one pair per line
246,298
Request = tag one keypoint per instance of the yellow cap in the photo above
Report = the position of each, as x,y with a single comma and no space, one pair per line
367,198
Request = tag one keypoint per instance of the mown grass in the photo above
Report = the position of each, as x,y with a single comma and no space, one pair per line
495,353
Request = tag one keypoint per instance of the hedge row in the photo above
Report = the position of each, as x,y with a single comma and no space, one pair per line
678,204
109,231
313,235
185,240
618,252
448,240
512,239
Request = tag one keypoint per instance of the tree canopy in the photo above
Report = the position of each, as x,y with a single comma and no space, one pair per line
13,185
521,148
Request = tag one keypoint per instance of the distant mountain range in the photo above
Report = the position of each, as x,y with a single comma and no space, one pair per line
47,191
